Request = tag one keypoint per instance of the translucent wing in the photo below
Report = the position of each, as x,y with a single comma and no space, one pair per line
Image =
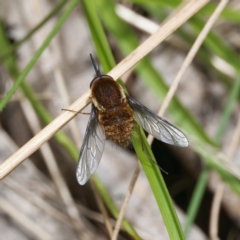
91,150
157,126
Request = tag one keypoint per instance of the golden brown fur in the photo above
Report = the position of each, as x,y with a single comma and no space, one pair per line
114,113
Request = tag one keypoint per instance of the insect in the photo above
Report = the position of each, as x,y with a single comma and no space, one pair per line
113,116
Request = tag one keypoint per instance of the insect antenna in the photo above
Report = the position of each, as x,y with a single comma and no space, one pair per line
95,66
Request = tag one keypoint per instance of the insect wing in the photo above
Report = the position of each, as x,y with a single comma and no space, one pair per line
92,148
157,126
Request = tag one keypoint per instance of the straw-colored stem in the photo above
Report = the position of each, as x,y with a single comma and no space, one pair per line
171,25
217,199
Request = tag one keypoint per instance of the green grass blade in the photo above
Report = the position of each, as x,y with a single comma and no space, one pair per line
100,41
27,69
192,127
107,62
155,179
158,187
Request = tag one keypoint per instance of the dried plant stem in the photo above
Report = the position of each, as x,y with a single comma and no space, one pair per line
125,201
187,61
216,204
171,25
102,208
58,76
155,39
194,49
70,204
55,173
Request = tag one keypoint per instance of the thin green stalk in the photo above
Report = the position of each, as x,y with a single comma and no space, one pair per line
107,62
122,27
14,46
27,69
152,172
98,36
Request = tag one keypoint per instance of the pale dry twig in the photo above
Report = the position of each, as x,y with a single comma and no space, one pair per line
31,146
216,203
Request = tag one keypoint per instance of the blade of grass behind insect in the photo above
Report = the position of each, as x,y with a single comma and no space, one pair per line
60,136
98,36
107,61
36,56
158,186
127,41
14,46
233,183
155,179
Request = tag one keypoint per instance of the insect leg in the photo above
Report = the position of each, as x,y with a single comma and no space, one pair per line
69,110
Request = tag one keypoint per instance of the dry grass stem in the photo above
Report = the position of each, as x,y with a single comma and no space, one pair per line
193,51
125,201
103,210
54,171
46,151
58,76
166,29
182,16
136,20
128,15
216,203
27,223
150,27
224,67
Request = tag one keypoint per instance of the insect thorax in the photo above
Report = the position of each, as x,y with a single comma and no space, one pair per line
114,113
106,93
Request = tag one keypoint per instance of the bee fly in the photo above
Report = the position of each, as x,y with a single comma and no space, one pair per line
113,116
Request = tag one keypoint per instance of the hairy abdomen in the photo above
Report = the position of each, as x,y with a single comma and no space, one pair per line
118,123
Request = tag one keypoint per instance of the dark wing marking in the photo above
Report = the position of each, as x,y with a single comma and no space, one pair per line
157,126
92,148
